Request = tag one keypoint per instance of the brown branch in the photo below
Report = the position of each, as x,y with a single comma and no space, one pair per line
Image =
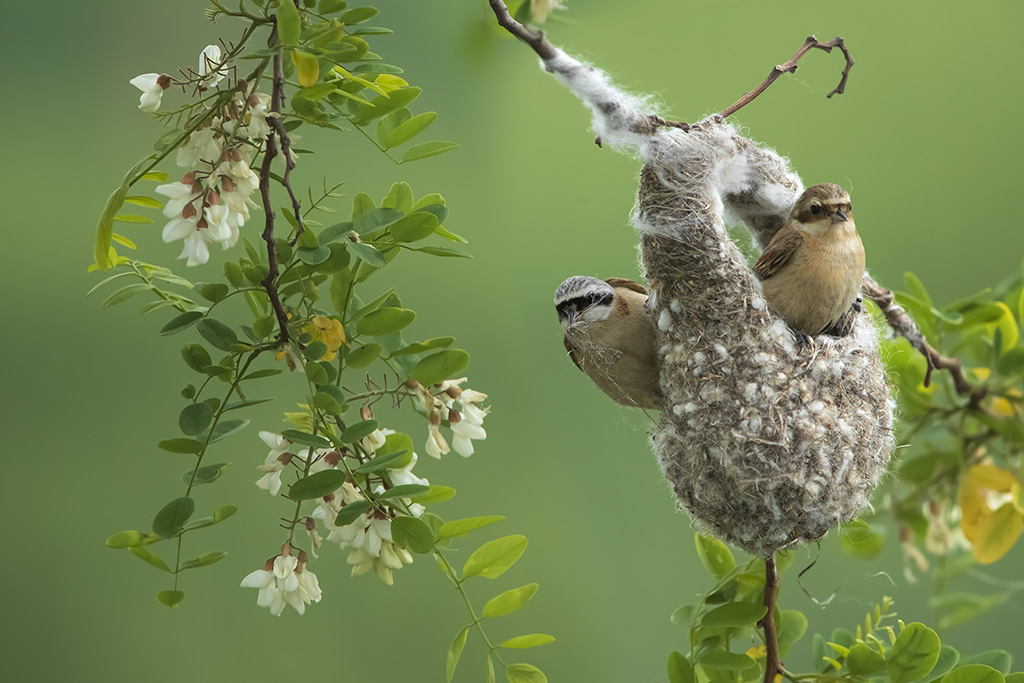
289,164
269,150
772,666
790,67
535,39
902,325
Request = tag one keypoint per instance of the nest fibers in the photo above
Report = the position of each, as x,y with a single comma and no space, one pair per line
766,443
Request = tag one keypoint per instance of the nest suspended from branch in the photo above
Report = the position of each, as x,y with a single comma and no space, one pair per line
766,443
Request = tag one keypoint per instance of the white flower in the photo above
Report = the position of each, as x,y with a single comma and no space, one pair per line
210,66
463,432
373,441
404,475
201,145
179,195
275,463
286,581
391,557
152,87
259,110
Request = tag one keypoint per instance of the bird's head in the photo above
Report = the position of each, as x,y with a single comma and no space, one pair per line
821,208
581,300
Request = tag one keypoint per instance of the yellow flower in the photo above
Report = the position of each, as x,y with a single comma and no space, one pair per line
329,331
992,517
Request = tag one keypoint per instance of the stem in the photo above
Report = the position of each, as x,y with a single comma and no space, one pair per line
772,666
477,621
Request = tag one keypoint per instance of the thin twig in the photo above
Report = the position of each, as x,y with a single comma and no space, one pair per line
289,164
790,67
902,325
270,281
772,666
535,40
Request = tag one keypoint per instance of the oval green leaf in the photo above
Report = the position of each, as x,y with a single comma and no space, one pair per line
317,485
427,149
181,322
358,431
172,517
412,533
974,673
455,651
349,513
217,333
525,673
170,598
195,418
733,614
531,640
914,653
440,366
181,445
714,555
863,661
414,227
385,321
494,558
461,527
509,601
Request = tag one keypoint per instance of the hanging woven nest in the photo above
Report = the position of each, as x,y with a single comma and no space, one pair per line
767,443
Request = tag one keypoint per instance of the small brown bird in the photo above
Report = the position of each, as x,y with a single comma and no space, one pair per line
812,269
611,338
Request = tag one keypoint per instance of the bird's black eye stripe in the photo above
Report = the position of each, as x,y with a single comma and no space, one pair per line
585,301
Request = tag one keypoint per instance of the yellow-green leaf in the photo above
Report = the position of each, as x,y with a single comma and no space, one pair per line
494,558
509,601
455,651
307,68
289,26
531,640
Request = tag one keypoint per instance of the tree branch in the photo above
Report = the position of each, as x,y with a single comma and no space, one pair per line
535,40
902,325
772,666
790,67
269,150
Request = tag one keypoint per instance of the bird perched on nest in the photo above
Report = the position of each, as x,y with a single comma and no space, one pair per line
811,271
611,338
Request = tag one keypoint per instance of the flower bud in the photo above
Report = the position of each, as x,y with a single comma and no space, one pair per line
906,536
189,211
435,417
189,178
411,384
454,416
365,413
454,392
164,81
268,566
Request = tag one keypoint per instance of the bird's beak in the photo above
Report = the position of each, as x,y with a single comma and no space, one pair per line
839,217
571,314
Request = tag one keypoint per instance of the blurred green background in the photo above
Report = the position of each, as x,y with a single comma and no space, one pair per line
926,140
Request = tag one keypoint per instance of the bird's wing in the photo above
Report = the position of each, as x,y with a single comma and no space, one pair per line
627,284
572,353
777,253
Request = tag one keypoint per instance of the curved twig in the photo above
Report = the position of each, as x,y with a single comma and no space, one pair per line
535,40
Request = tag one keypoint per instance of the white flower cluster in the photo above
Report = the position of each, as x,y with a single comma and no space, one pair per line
284,580
279,457
466,421
212,201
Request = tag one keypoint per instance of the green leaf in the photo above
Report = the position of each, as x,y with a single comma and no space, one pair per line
126,539
358,15
531,640
427,149
351,511
714,555
315,256
440,366
999,660
414,227
359,430
317,485
367,253
149,557
434,494
181,445
379,463
205,474
420,347
412,533
223,512
399,196
383,132
132,218
125,293
217,333
914,653
143,200
385,104
794,625
181,322
443,251
494,558
733,614
461,527
226,428
195,418
858,538
455,651
948,658
863,661
305,439
214,291
363,356
203,560
289,26
679,669
730,661
974,673
375,219
509,601
172,517
403,491
385,321
525,673
683,615
409,129
196,357
260,374
490,670
236,405
170,598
